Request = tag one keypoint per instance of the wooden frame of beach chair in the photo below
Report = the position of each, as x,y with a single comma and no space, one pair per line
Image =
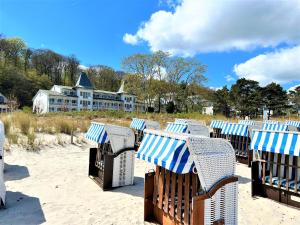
138,125
208,196
111,164
276,175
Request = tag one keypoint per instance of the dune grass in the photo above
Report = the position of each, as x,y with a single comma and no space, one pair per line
25,123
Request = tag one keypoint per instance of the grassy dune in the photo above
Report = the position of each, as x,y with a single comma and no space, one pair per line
26,125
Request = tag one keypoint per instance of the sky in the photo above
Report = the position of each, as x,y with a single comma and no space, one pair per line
255,39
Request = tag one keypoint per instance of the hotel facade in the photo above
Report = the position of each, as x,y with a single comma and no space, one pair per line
84,97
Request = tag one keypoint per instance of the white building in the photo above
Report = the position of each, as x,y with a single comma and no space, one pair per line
83,97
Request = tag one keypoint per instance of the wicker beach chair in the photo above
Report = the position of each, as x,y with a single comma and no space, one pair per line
293,125
217,126
276,166
111,164
194,180
2,186
138,126
239,137
188,127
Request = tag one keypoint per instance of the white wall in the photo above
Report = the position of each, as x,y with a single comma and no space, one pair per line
41,102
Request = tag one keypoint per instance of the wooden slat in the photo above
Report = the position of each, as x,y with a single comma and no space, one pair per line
194,184
173,189
296,175
263,168
167,190
278,169
186,198
179,201
161,188
287,171
155,191
271,167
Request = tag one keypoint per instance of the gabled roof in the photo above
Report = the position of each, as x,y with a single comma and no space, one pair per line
83,81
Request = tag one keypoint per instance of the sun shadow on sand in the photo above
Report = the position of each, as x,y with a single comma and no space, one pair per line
244,180
21,209
15,172
135,190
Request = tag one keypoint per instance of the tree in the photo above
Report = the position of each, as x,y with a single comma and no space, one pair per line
221,99
274,98
184,75
245,96
294,98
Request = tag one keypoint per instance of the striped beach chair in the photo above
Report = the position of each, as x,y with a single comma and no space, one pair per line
276,165
2,186
239,137
293,125
178,120
194,181
217,126
188,127
275,126
138,126
111,163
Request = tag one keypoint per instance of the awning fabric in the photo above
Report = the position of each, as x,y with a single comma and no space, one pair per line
235,129
217,124
138,124
97,133
177,127
287,143
247,122
293,123
168,152
275,127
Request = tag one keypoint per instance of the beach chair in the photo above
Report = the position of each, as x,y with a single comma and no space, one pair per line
239,137
275,126
247,122
217,126
111,164
276,166
188,127
202,122
138,126
194,181
2,185
293,125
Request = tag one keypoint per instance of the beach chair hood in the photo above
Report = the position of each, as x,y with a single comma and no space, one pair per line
281,142
119,137
214,159
235,129
188,127
141,124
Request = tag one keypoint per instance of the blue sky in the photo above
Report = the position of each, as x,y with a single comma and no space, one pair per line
94,30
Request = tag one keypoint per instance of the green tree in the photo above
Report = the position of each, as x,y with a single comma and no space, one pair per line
245,96
221,100
294,97
274,98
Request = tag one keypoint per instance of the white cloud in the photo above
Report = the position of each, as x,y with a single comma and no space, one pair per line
229,78
281,66
130,39
216,25
294,87
215,88
83,67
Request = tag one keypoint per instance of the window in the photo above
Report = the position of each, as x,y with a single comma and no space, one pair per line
74,102
51,100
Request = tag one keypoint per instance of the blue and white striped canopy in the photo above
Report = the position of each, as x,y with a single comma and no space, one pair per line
177,127
275,127
247,122
167,152
217,124
287,143
138,124
97,133
293,123
271,121
235,129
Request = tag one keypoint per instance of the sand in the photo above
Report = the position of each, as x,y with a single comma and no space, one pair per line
52,187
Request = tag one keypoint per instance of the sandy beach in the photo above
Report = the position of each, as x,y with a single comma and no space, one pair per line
52,187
